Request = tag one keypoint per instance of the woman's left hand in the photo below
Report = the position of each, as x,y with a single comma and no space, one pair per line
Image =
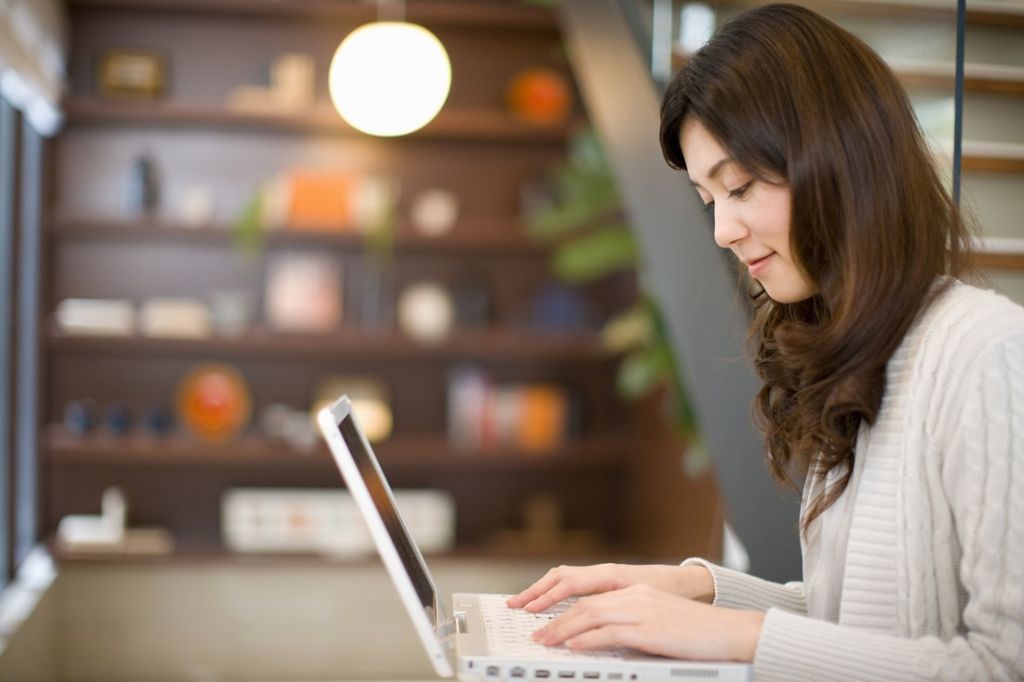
655,622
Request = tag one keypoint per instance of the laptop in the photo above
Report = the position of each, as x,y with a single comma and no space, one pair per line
482,640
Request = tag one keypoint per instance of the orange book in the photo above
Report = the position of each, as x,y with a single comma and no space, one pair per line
543,414
320,200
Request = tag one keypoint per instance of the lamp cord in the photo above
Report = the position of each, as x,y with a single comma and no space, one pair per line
391,10
958,113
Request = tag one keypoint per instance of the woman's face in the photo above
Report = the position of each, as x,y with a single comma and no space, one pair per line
752,217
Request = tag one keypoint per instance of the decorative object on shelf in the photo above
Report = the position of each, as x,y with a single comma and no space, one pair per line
175,317
434,212
101,316
370,293
325,200
292,87
303,293
109,532
197,206
370,401
543,531
473,300
290,425
322,199
327,521
117,419
81,416
389,78
232,311
142,188
157,420
532,418
426,312
131,73
470,413
214,402
540,96
558,308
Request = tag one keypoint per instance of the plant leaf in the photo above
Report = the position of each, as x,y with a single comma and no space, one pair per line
596,255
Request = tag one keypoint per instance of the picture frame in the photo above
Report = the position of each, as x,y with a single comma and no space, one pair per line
132,73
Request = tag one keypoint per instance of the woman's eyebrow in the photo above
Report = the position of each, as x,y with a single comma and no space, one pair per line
714,169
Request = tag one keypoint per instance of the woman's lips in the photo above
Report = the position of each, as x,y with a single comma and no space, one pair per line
758,266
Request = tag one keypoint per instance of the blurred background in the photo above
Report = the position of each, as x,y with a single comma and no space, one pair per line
217,216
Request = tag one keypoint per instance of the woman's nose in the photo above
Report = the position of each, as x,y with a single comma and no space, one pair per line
728,228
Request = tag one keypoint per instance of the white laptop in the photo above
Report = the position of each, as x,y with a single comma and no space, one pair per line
483,639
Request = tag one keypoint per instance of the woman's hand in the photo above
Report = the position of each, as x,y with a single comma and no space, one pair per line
655,622
692,582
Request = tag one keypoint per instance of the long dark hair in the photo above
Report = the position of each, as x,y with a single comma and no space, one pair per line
793,96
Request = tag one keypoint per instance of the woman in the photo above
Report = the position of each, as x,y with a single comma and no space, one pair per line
896,390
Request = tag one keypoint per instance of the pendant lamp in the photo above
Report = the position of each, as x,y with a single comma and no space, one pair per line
389,78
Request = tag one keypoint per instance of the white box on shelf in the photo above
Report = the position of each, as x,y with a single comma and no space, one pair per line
284,520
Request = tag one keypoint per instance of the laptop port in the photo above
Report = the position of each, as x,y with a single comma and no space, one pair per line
493,671
517,671
541,674
591,675
566,674
614,676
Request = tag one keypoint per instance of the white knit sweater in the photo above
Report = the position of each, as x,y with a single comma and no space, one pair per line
933,582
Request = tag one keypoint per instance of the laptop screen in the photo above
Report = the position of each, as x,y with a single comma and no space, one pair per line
379,491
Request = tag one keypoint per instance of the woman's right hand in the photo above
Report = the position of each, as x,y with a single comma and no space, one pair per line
692,582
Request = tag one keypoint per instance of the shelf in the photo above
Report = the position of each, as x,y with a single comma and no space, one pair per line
405,453
915,73
505,239
479,125
1000,253
993,157
979,12
500,13
463,345
978,78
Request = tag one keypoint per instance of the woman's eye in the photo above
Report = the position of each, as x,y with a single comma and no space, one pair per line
740,191
708,207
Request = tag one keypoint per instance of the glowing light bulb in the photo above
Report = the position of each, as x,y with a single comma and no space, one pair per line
389,78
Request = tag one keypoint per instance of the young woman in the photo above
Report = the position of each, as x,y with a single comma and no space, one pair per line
893,388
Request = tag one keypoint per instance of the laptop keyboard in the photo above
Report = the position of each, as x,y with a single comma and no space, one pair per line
509,631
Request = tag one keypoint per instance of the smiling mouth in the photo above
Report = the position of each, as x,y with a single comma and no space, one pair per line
755,266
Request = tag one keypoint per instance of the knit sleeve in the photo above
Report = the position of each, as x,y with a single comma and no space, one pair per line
983,475
738,590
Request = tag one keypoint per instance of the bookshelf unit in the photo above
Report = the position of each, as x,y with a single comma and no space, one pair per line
608,476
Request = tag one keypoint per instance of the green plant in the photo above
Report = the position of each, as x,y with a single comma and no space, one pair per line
580,216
